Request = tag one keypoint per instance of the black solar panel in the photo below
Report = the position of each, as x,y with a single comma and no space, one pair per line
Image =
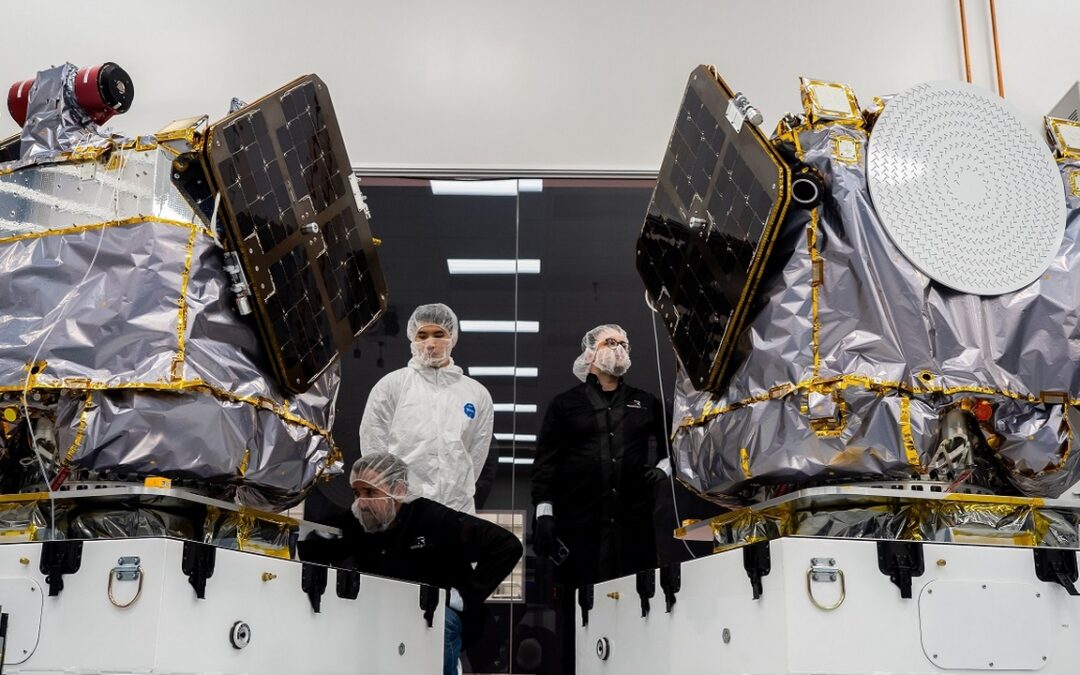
306,248
9,148
718,201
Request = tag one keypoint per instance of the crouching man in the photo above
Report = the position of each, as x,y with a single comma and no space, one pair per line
396,534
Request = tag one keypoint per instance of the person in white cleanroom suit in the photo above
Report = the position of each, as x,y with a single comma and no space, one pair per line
433,416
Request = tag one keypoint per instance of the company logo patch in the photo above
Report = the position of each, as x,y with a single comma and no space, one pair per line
418,544
635,404
470,411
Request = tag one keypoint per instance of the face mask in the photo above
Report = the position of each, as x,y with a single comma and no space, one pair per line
373,520
614,361
432,352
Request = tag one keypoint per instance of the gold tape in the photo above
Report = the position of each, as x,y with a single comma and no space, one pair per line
80,430
1064,150
1042,526
1074,182
1003,500
23,497
910,450
744,461
243,530
282,411
883,387
816,112
176,370
89,227
838,149
815,290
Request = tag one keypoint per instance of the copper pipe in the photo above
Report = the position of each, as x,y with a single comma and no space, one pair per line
963,31
997,49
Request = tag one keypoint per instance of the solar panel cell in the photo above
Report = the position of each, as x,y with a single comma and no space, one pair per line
719,199
307,249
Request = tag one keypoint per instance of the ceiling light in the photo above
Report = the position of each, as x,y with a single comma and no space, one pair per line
521,438
496,371
467,326
486,188
493,266
515,460
515,407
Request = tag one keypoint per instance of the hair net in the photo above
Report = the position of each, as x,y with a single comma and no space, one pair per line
383,471
436,314
588,348
387,478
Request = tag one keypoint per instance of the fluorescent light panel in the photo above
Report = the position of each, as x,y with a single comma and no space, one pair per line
515,407
501,371
468,326
493,265
486,188
515,460
521,438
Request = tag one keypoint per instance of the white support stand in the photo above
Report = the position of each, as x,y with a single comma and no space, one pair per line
974,609
255,618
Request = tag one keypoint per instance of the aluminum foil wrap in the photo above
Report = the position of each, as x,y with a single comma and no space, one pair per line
55,123
117,323
857,357
966,521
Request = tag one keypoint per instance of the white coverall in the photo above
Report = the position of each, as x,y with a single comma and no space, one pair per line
439,421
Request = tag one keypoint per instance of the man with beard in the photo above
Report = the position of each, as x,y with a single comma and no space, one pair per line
396,534
434,416
593,476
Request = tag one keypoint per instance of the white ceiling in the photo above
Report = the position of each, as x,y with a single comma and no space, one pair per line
530,86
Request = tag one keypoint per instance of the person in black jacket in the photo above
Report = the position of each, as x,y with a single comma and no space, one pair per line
593,475
414,539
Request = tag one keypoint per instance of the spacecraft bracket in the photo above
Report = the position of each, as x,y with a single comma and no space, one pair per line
348,584
758,563
313,583
1057,566
901,560
197,564
59,557
429,601
585,602
671,583
646,589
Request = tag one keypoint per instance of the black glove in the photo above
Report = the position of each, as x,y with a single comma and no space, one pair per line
655,475
544,536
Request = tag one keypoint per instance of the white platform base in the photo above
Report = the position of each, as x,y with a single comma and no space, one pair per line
975,609
169,630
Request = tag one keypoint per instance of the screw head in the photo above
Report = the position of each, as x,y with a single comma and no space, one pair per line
401,649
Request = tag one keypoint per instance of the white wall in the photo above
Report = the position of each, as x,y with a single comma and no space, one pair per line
516,85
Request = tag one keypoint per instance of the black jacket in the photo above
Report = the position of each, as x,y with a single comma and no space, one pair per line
591,457
593,451
429,544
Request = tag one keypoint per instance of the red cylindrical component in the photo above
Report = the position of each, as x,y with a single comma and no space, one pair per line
18,99
103,91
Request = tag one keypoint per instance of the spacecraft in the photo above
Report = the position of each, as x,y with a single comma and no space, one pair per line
172,312
869,295
873,310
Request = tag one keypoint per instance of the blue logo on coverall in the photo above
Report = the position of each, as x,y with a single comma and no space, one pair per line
470,411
